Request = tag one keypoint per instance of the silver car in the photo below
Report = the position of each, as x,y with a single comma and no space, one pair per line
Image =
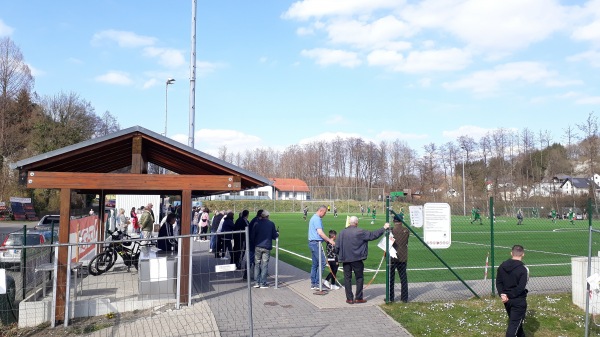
48,222
11,257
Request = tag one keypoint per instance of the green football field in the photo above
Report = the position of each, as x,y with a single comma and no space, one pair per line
549,246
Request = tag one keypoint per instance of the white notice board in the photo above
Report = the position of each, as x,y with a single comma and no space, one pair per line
436,225
416,216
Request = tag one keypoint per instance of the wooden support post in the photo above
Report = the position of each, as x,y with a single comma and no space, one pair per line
186,221
63,237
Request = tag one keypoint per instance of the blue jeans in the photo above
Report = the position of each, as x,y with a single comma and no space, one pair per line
261,264
194,229
316,248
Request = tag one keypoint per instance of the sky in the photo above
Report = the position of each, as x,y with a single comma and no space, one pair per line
275,73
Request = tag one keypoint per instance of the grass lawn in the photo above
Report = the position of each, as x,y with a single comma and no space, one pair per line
547,315
549,247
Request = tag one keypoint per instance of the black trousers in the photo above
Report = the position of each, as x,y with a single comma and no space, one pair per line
333,273
401,268
357,267
516,309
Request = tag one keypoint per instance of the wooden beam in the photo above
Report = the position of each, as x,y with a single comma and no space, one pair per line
140,182
138,162
186,220
63,237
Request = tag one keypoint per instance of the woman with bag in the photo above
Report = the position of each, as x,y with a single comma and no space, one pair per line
122,221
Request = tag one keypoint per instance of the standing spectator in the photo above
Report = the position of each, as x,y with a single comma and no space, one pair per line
122,221
204,223
251,249
305,212
315,239
134,220
227,228
398,262
362,210
511,282
335,211
147,221
195,221
239,239
264,233
353,249
166,229
332,261
519,217
213,229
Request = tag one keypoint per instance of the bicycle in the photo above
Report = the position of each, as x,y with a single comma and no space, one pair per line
129,252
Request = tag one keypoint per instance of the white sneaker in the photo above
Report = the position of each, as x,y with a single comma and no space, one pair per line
257,285
334,287
327,284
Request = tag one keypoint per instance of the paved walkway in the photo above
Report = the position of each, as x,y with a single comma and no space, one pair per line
220,308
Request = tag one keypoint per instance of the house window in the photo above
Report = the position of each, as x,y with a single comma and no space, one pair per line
249,193
263,194
235,193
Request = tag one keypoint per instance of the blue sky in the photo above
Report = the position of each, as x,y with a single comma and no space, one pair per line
273,73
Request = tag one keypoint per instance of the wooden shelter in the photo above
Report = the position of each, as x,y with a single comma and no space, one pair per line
118,164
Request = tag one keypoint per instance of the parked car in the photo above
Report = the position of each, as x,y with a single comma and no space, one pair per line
11,257
46,222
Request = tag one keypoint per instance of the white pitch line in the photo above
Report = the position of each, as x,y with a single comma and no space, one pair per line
528,250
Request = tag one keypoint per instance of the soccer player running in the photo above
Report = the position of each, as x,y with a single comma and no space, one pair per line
511,282
553,215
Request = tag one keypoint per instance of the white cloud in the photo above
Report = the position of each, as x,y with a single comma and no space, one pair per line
150,83
588,100
425,82
381,33
592,57
490,27
467,130
115,77
122,38
170,58
421,61
306,9
211,140
329,136
5,30
563,83
326,57
489,81
263,59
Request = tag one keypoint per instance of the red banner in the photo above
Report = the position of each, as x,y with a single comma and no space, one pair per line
83,230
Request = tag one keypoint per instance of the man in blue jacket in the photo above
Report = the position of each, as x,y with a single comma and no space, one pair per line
353,245
511,282
263,234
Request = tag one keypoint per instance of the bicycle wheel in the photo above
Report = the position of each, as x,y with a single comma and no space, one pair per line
101,263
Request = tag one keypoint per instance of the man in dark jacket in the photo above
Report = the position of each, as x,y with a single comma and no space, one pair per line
214,242
398,262
263,234
226,238
511,282
353,245
251,242
239,239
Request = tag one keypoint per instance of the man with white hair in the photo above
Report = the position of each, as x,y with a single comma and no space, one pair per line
353,250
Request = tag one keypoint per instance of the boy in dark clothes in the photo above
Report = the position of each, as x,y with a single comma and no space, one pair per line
332,261
511,282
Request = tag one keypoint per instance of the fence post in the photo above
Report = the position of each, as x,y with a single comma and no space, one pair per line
24,264
178,293
248,278
493,278
276,262
589,266
68,292
54,286
190,273
387,251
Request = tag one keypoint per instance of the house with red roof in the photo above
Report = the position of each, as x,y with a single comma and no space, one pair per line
280,189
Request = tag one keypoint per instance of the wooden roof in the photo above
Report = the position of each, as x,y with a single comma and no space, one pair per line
127,152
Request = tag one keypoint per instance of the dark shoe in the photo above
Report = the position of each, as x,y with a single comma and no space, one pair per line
350,301
360,301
